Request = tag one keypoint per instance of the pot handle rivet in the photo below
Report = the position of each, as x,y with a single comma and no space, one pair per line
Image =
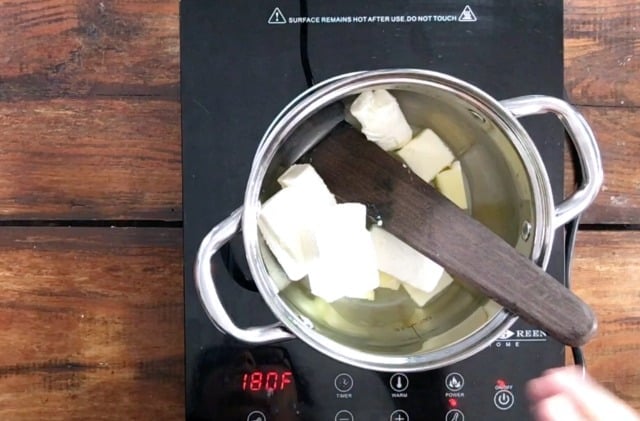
584,142
205,285
525,230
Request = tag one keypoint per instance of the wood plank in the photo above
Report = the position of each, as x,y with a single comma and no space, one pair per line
602,47
117,143
129,48
94,319
90,159
602,52
123,48
605,274
100,335
81,48
618,134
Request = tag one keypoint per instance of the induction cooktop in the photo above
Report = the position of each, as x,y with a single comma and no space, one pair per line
242,61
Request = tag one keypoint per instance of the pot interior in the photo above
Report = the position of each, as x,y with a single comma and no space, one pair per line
499,195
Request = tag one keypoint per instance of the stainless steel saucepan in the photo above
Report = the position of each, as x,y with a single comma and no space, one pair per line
509,192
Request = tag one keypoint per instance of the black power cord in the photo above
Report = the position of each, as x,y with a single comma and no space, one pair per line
571,232
229,252
304,46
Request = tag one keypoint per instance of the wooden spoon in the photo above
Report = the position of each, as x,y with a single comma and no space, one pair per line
357,170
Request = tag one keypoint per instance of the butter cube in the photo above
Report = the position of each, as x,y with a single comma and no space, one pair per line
426,155
389,282
381,119
450,183
403,262
421,297
345,263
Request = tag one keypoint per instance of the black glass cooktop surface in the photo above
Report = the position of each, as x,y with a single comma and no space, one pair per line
241,64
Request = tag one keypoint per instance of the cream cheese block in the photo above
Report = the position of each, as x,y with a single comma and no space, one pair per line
345,261
369,295
421,297
381,119
403,262
305,176
277,274
426,155
289,216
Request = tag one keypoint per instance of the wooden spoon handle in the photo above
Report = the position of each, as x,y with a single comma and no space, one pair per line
357,170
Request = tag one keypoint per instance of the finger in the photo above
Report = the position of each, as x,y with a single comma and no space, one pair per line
551,383
558,407
592,400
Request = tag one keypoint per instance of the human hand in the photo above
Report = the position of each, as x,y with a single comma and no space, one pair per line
562,394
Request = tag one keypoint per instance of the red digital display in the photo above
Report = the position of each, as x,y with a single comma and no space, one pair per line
266,381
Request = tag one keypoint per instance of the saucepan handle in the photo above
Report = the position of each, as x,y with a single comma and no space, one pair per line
206,287
584,141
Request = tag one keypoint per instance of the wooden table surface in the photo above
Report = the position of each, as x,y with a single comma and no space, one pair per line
91,309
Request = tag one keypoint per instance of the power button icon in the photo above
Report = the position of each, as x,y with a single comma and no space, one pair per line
503,400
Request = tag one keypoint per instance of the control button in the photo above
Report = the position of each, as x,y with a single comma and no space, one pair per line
343,382
399,382
257,416
344,415
399,415
454,415
503,399
454,382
